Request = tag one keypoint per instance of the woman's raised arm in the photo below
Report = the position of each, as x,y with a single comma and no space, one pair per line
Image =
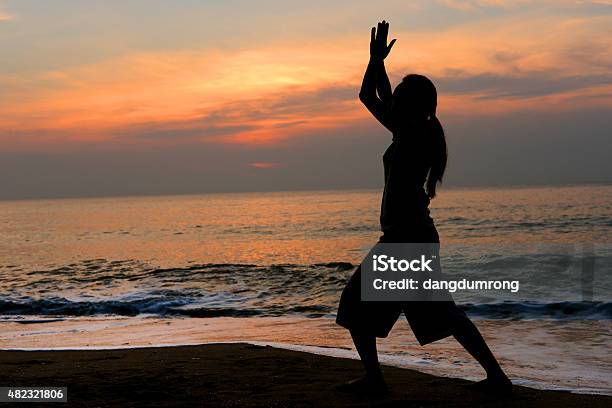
375,90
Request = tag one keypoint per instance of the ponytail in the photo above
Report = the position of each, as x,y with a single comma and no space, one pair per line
439,155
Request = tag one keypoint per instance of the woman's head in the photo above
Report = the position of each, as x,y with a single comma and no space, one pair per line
413,107
414,100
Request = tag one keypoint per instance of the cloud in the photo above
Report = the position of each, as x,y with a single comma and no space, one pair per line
516,148
179,132
527,85
473,5
264,165
270,93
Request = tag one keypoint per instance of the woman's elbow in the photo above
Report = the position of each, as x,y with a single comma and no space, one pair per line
364,98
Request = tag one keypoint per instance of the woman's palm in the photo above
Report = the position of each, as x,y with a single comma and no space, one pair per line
378,41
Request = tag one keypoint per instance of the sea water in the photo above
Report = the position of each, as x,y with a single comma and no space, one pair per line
270,267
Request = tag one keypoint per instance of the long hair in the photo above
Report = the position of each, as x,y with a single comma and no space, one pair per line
416,97
439,156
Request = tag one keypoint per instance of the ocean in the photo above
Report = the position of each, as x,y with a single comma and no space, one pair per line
269,267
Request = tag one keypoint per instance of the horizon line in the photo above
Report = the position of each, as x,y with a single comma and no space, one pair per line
313,190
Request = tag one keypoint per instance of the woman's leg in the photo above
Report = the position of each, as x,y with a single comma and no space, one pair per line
366,347
469,337
373,382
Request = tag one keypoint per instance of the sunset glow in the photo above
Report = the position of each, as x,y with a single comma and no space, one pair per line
271,91
78,83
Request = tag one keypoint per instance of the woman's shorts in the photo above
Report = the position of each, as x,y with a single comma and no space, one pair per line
430,321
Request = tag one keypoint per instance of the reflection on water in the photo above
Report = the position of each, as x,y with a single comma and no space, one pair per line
277,228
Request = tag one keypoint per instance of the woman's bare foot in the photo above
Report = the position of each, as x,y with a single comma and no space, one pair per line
499,385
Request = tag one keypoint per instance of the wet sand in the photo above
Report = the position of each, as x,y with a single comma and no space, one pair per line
237,375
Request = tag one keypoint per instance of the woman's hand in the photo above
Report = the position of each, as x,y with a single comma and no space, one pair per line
378,42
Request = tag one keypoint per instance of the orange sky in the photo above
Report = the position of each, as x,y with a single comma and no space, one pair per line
240,95
265,92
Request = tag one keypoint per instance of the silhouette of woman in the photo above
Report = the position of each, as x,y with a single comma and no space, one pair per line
413,164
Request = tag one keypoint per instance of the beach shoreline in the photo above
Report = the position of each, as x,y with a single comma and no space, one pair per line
536,360
242,374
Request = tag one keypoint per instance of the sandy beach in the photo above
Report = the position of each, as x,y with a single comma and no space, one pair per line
237,375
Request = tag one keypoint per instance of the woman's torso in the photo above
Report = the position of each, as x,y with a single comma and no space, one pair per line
405,204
